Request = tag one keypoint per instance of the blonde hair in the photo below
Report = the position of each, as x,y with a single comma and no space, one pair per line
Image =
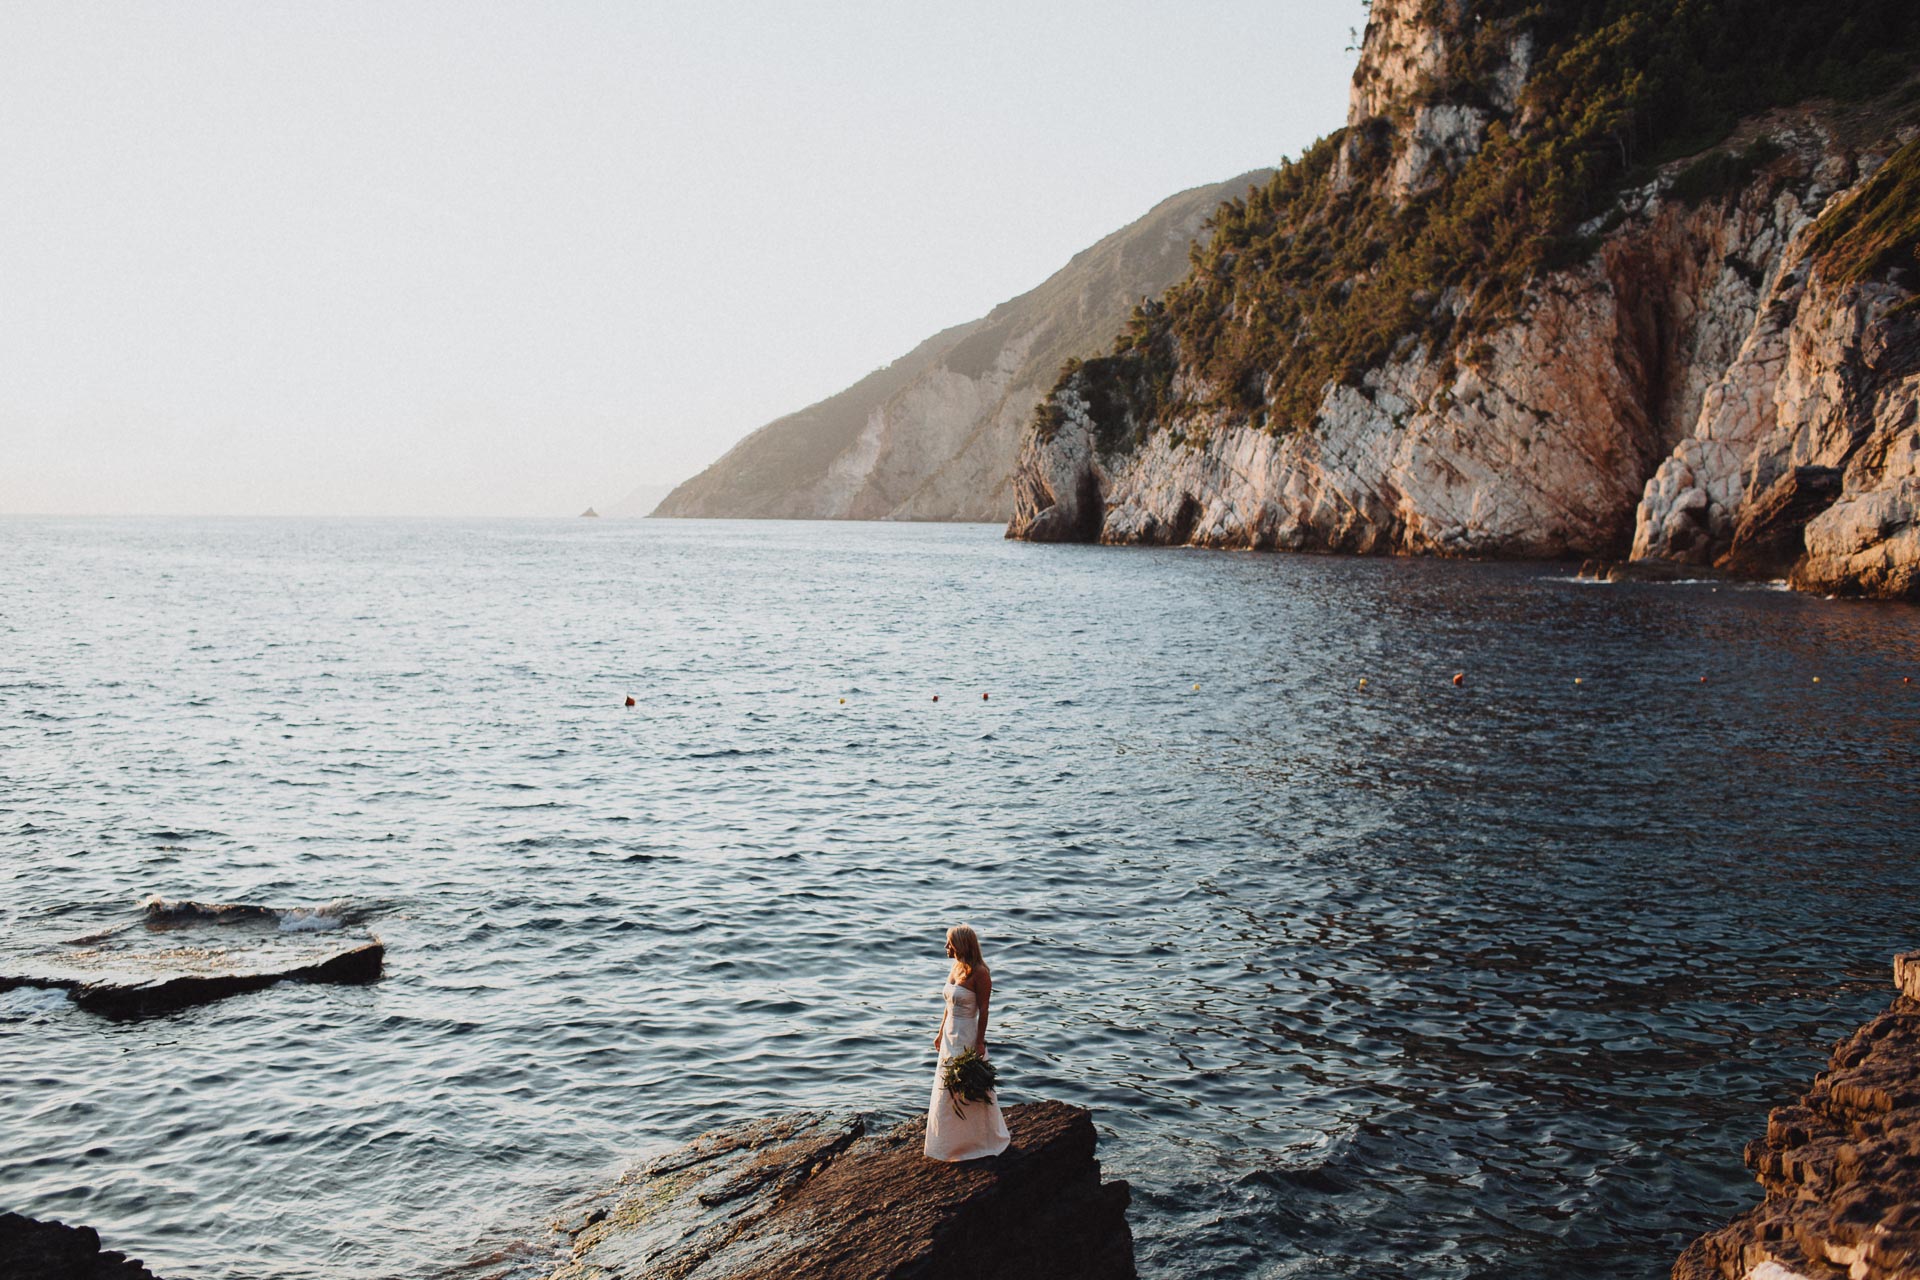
966,950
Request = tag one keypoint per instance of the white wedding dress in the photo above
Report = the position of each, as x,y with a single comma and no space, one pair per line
980,1131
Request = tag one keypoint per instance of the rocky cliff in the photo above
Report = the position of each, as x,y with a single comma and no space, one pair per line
1491,318
1841,1168
934,435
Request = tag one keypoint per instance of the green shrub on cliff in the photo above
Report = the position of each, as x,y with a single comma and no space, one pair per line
1878,230
1306,281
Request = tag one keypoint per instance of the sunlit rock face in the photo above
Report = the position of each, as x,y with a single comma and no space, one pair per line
1840,1168
1647,402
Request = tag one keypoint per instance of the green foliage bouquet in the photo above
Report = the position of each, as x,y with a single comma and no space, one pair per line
967,1077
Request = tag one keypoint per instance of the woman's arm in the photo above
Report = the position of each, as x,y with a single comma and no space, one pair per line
941,1030
985,992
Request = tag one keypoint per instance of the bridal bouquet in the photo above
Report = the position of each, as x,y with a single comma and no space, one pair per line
968,1077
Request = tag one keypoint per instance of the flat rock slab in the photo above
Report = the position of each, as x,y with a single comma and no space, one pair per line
181,954
33,1250
814,1196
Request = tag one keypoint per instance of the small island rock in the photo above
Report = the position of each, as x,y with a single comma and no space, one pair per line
186,953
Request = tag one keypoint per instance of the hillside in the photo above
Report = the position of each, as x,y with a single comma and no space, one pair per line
1575,279
934,435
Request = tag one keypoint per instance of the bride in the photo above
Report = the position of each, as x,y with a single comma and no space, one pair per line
980,1131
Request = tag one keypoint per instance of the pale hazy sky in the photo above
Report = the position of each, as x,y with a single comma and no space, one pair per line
512,258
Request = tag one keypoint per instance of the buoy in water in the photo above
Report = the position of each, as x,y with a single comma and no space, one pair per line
1459,677
1576,679
1906,679
843,702
936,697
1363,682
983,697
629,699
1196,688
1816,679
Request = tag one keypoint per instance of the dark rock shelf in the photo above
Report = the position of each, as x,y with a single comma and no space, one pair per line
32,1250
1841,1168
181,954
815,1197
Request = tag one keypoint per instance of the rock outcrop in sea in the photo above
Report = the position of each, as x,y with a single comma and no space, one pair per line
934,435
1841,1167
817,1197
35,1250
1721,367
185,953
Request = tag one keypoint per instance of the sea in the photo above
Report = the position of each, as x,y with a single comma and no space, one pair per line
1393,917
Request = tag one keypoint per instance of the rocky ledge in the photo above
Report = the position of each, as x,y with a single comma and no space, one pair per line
816,1197
1841,1168
185,953
32,1250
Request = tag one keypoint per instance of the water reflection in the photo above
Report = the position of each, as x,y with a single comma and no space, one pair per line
1490,980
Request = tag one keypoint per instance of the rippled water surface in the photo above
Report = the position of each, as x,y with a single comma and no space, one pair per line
1487,981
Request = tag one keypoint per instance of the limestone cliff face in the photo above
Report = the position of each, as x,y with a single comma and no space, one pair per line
1701,377
934,436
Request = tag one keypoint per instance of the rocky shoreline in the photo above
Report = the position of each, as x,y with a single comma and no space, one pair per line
816,1196
1841,1167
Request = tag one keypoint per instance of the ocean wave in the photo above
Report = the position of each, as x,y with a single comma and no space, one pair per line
312,919
330,915
159,910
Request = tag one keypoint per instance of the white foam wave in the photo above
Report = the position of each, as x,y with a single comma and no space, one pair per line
312,919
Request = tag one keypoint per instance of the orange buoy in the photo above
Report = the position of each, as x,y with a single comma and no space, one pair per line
1906,679
1363,682
1816,679
936,697
1459,677
843,702
629,699
1196,688
1576,679
983,697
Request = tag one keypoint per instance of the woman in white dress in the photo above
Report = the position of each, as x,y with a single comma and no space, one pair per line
980,1130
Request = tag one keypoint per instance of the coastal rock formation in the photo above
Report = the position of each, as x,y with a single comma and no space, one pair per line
1728,374
815,1197
186,953
33,1250
934,435
1841,1168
